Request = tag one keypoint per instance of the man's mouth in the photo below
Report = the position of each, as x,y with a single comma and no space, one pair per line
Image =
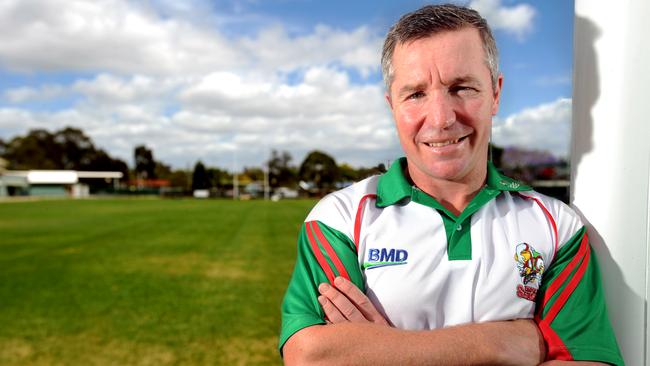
445,143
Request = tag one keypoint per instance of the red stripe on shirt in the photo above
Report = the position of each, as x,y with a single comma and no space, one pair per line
568,290
330,251
559,281
318,254
550,219
357,220
556,350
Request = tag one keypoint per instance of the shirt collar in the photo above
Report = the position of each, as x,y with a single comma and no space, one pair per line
393,186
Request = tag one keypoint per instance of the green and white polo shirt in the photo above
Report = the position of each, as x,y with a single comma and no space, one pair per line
512,253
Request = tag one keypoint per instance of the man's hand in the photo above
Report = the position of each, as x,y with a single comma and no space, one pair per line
344,302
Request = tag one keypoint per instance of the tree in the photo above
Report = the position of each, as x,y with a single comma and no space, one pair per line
254,174
76,149
145,165
364,173
36,150
162,171
177,178
200,179
99,160
348,173
180,179
68,148
280,171
319,169
219,178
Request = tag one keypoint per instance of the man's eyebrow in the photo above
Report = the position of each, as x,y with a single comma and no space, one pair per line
465,79
409,88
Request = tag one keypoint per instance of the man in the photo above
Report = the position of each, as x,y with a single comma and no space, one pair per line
442,260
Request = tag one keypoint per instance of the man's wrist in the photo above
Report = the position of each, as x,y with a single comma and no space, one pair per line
525,339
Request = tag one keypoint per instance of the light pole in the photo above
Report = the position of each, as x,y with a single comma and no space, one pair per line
235,178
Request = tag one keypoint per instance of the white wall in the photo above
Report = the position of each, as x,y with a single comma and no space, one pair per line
611,156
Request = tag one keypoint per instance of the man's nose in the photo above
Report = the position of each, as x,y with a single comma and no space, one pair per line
441,113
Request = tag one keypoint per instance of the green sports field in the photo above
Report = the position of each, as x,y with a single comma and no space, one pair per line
144,281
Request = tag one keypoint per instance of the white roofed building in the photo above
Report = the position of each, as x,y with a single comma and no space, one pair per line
50,182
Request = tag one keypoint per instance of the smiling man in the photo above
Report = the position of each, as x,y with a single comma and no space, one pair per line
442,260
443,99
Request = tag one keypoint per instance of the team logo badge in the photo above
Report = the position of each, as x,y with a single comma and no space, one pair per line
530,265
385,257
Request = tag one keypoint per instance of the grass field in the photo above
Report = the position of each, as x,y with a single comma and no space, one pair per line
144,281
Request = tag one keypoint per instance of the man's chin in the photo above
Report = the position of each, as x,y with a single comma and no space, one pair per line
448,170
446,174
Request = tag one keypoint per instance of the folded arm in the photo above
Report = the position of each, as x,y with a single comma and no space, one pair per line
496,343
359,335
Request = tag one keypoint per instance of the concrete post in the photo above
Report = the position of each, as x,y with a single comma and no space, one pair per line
611,156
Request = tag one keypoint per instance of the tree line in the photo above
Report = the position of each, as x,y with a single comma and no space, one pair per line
70,149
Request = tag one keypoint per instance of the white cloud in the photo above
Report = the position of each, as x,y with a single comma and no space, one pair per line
224,111
28,94
189,92
123,96
17,121
274,48
110,35
117,36
349,121
545,127
516,19
324,91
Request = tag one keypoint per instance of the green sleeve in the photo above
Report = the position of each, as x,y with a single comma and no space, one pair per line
323,253
571,309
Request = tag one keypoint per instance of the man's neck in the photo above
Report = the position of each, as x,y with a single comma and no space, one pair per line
454,195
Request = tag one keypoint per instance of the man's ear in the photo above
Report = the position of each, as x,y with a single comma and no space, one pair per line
388,100
497,95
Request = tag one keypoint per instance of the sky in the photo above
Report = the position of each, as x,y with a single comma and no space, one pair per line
226,81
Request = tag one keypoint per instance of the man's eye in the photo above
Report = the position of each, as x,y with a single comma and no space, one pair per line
463,90
415,95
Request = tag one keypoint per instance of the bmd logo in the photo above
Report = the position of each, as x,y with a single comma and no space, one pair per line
385,257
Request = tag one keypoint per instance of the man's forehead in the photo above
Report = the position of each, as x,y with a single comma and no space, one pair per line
466,36
456,55
467,31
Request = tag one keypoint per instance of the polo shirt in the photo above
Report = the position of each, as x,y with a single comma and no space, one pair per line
512,253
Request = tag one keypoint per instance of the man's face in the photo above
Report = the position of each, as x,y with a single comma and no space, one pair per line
443,101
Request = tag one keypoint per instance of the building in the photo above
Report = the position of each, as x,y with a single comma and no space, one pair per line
53,183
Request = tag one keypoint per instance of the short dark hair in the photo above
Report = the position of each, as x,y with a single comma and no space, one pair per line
432,19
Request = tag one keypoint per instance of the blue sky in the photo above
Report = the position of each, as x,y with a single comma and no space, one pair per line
219,80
